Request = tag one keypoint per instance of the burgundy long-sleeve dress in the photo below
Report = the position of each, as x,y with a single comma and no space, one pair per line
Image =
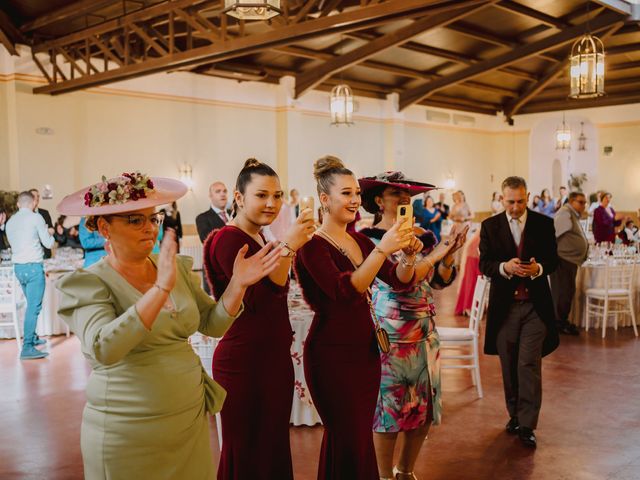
253,363
604,224
341,358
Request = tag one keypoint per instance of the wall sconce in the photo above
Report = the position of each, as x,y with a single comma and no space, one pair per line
186,175
341,106
449,182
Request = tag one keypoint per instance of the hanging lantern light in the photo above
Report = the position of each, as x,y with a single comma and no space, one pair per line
582,139
587,67
341,105
563,136
255,10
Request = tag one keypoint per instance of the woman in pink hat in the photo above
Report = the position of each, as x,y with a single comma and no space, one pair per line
148,395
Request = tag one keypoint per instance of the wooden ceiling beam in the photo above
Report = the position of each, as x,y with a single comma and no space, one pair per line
68,12
620,49
521,53
567,104
9,34
512,107
431,102
393,69
447,54
623,66
490,37
229,48
528,12
314,76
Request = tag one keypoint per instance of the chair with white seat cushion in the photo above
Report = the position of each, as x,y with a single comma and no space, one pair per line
462,337
8,300
615,298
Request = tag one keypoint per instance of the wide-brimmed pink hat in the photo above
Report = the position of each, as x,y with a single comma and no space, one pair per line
126,193
395,179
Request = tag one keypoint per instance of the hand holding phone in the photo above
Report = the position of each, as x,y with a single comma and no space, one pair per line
405,214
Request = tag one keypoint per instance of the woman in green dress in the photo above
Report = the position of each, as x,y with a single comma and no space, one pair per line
133,312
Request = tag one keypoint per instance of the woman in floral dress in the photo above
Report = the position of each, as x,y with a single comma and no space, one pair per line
409,399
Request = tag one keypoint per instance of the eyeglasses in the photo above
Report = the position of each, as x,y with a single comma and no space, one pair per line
138,220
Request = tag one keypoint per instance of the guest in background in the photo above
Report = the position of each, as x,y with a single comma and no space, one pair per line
517,252
418,211
253,362
294,201
460,212
546,206
629,234
573,249
342,360
535,202
432,217
594,200
410,396
443,207
66,237
469,274
133,312
92,242
45,214
605,220
4,242
27,233
562,198
217,215
172,220
496,203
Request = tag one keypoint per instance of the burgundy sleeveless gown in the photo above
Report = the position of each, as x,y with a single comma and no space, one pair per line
253,363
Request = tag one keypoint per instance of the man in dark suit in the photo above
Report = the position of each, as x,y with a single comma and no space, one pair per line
518,251
45,214
217,215
214,218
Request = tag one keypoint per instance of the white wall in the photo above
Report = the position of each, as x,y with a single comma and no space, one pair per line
156,123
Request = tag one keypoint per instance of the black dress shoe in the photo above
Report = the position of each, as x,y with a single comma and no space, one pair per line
527,437
513,426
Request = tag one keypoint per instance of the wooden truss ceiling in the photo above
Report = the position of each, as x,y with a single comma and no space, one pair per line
483,56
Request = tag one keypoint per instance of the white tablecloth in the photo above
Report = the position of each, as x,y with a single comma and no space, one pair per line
302,410
592,275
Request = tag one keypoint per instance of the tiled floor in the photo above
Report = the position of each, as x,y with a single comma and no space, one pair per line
589,427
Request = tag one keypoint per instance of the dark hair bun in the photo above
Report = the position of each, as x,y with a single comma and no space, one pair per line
326,165
251,163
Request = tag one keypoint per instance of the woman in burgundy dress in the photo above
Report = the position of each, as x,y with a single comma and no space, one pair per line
605,221
253,360
342,362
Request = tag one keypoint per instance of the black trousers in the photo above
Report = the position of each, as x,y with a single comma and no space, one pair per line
563,289
519,343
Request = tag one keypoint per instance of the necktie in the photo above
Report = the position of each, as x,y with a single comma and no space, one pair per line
223,216
515,230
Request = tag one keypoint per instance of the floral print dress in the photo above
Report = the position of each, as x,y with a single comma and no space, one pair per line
410,394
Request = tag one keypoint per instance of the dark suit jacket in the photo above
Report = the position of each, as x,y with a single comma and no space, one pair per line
208,221
497,246
47,220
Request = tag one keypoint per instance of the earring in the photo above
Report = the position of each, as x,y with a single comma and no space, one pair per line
326,209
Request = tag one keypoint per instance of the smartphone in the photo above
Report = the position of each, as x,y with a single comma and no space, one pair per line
405,212
525,262
307,202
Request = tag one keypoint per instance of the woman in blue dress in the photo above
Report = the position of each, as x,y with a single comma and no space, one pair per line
431,217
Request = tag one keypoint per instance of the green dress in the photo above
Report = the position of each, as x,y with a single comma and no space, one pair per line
147,395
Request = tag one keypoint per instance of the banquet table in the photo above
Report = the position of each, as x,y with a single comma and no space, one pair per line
592,275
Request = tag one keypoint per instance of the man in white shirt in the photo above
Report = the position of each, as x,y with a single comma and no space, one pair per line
27,233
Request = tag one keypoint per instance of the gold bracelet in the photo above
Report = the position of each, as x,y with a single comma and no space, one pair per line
163,289
378,249
403,260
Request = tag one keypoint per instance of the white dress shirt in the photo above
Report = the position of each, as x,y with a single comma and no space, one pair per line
27,233
516,225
